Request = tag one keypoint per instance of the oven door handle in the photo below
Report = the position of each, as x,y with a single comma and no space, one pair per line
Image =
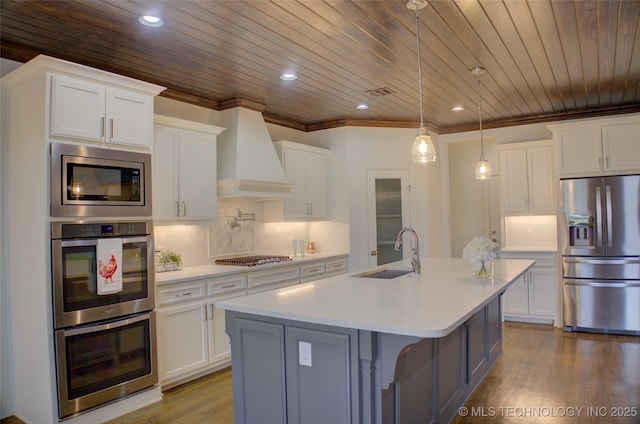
94,241
106,326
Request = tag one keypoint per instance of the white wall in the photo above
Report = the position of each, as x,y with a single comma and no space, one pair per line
358,149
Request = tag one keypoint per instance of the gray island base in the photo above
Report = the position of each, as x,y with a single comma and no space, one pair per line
411,352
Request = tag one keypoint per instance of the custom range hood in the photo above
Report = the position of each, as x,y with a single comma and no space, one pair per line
248,165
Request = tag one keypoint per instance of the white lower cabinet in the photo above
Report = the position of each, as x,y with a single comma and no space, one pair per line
191,335
335,267
533,297
181,330
192,339
273,278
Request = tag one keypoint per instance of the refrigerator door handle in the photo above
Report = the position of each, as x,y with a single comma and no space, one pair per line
609,216
603,283
606,261
598,217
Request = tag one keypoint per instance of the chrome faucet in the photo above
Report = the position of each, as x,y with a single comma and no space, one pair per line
415,259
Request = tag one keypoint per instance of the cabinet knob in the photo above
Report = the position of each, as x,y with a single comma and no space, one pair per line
374,253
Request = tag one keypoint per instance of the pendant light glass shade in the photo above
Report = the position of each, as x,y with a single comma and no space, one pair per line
483,169
423,150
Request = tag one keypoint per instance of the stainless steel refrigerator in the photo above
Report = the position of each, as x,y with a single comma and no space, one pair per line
600,228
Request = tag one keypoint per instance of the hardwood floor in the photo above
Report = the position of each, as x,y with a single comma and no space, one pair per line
546,375
543,371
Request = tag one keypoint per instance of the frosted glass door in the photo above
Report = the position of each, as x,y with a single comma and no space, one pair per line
388,210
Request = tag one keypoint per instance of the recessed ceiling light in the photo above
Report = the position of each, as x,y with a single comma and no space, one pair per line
151,20
362,106
288,76
457,108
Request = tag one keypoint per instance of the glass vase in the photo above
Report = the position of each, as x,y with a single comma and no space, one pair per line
484,270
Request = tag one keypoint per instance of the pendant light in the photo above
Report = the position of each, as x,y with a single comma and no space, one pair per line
483,169
423,150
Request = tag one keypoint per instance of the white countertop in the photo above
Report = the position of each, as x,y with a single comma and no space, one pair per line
430,304
207,271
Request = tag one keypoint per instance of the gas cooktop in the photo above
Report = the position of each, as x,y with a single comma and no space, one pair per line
253,260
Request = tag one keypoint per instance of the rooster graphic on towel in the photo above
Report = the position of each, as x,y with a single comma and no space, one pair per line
107,270
109,255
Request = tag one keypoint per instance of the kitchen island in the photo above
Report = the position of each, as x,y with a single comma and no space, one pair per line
353,349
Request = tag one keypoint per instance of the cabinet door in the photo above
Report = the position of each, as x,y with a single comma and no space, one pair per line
77,109
542,292
182,341
516,298
198,176
318,369
540,178
621,147
515,193
165,173
129,118
317,185
259,394
296,205
580,152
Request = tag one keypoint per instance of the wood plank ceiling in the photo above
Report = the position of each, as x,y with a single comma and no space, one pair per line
545,59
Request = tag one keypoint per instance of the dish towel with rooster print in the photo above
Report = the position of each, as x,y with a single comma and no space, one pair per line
109,256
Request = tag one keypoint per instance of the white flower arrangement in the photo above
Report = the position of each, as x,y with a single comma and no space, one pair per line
480,249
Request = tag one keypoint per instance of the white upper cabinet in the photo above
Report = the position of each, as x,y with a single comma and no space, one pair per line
184,170
526,183
82,110
306,167
621,147
598,147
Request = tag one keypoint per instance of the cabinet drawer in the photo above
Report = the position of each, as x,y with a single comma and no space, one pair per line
276,275
312,270
178,293
228,284
542,261
336,266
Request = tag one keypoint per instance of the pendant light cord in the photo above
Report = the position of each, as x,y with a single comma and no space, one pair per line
480,115
419,68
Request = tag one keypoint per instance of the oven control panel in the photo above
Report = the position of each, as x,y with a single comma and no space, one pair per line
63,230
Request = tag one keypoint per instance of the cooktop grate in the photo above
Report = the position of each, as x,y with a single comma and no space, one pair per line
253,260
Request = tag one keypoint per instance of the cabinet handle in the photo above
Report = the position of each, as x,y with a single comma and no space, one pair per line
183,294
102,127
228,287
311,208
112,126
177,208
184,208
606,162
600,162
212,311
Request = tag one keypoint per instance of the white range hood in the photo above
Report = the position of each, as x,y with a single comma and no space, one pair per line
248,165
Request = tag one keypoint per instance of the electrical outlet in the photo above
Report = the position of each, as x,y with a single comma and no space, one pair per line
304,353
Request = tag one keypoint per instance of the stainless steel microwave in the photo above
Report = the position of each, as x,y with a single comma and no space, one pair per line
95,182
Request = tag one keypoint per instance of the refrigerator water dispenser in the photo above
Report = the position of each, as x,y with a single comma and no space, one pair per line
581,233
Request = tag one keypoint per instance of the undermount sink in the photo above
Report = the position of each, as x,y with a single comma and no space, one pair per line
386,274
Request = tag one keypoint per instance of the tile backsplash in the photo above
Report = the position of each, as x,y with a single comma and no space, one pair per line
200,244
531,232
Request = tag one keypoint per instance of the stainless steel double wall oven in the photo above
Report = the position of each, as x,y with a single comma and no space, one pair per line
105,346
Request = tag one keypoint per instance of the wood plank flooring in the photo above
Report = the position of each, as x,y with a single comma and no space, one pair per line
543,371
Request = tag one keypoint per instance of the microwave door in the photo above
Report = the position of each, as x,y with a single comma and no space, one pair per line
622,213
583,214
